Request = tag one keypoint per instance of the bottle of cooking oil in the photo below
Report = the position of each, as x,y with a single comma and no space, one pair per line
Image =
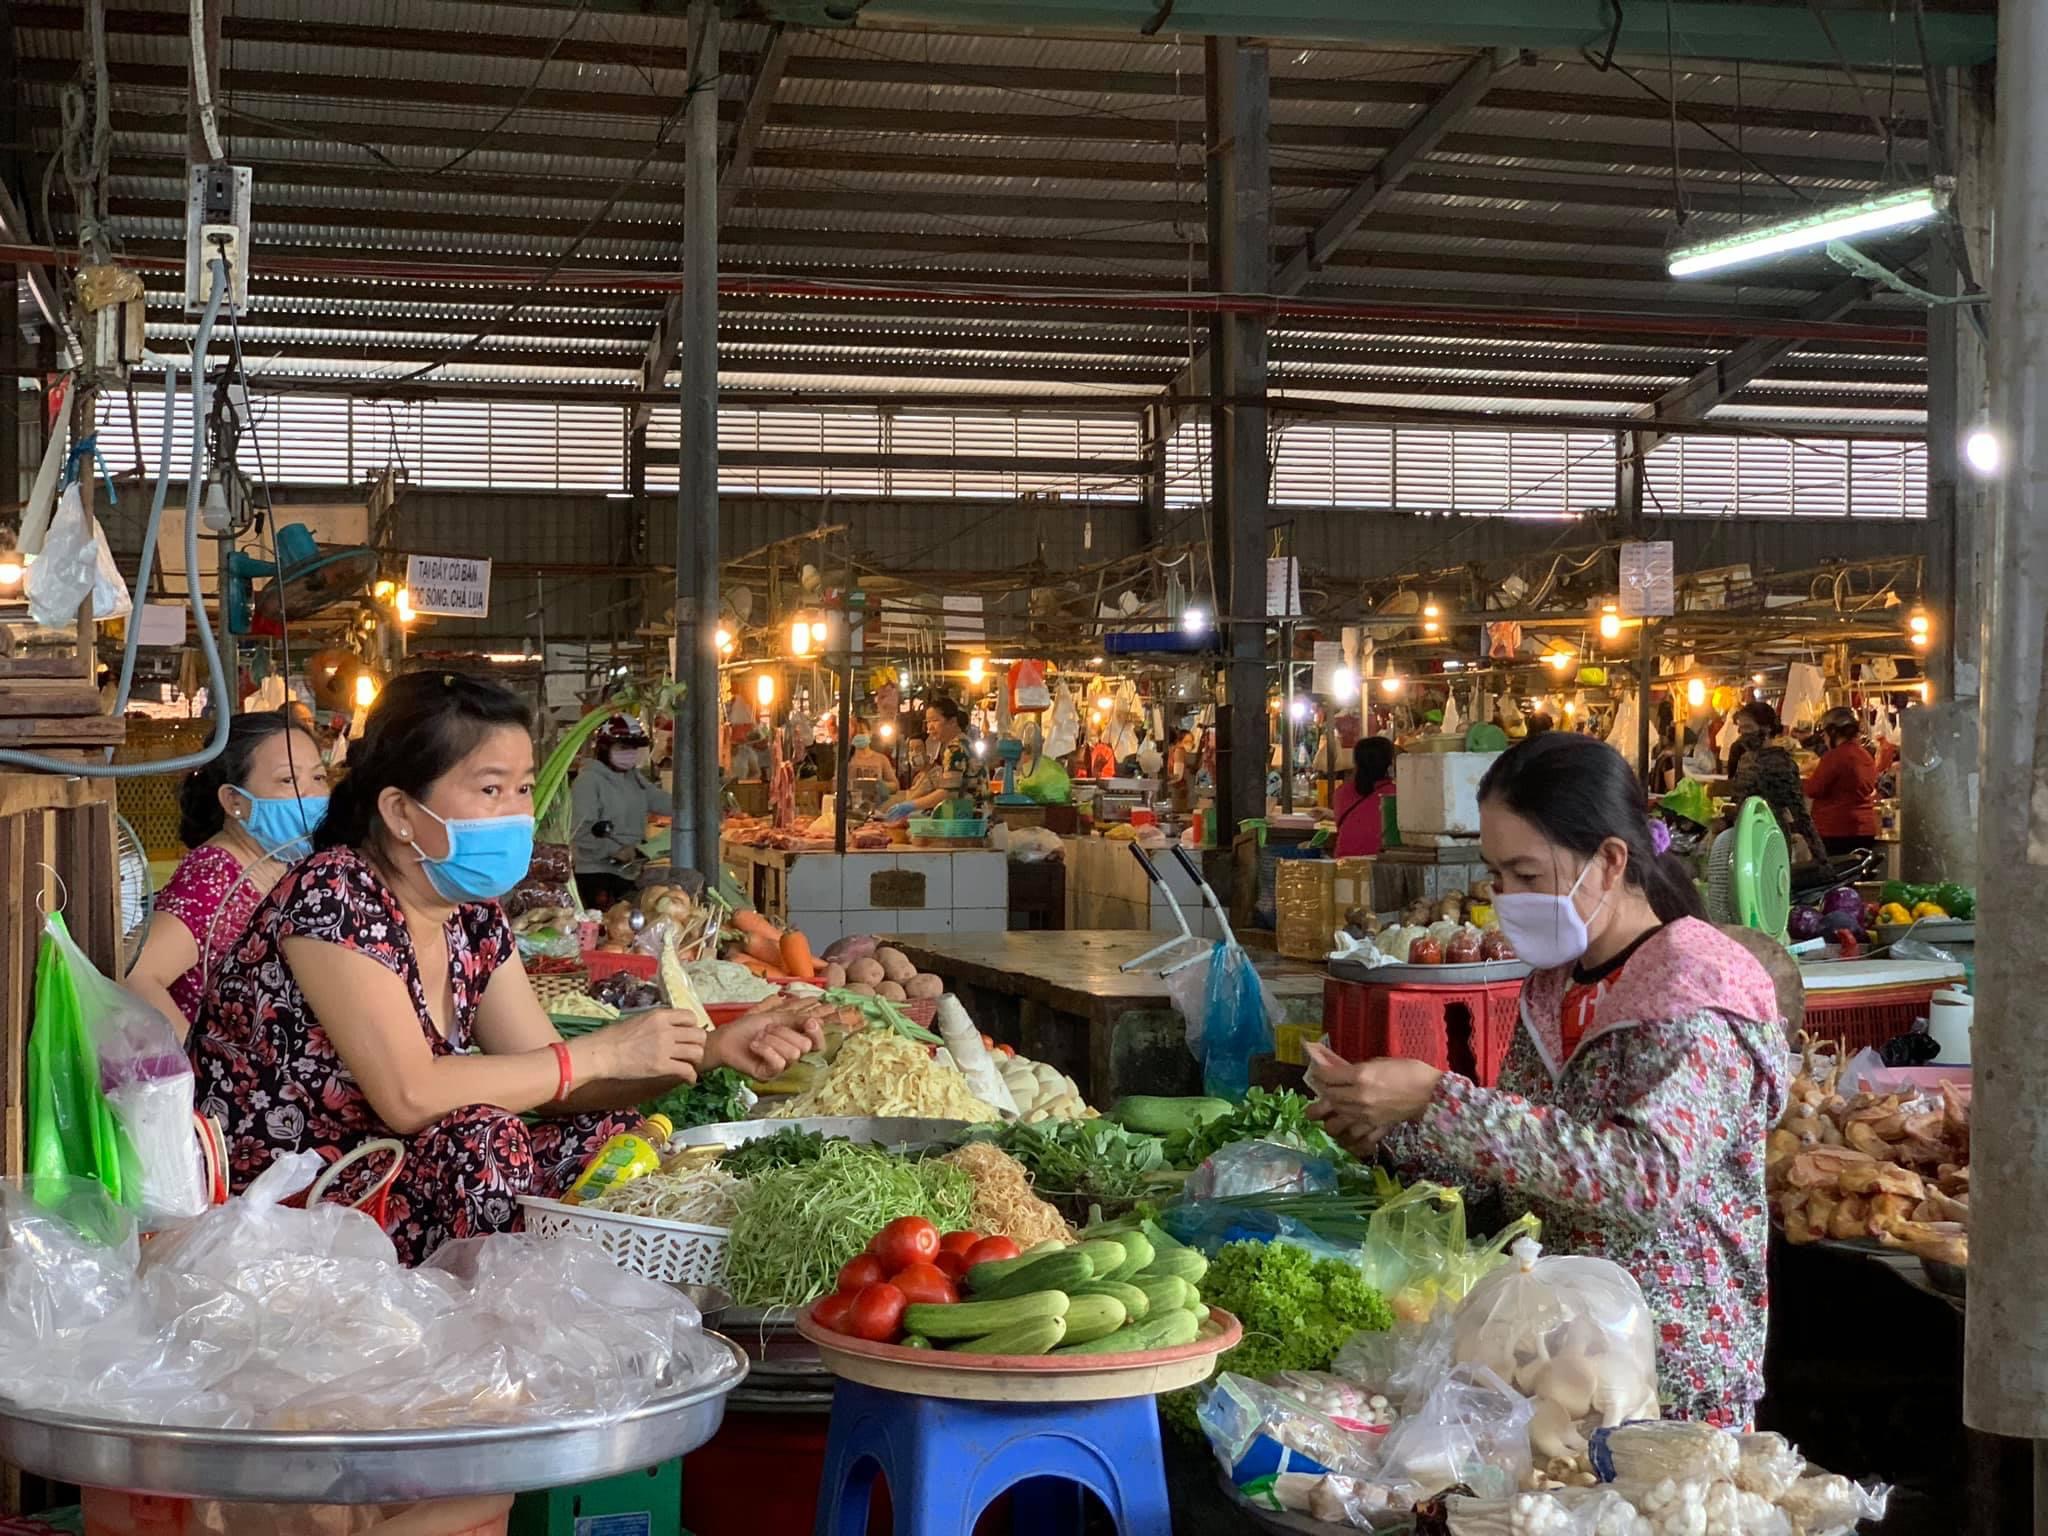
627,1156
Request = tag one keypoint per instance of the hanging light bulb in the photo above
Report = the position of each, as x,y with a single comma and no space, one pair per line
1104,704
405,613
1390,685
1610,623
1558,660
1297,710
886,731
1982,450
764,689
977,669
1430,614
1695,693
366,690
800,638
384,591
1919,628
1344,685
723,639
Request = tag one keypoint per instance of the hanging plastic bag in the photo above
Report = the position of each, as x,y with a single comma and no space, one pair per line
75,563
110,1090
1046,782
1572,1333
1417,1253
1028,689
1236,1023
1063,734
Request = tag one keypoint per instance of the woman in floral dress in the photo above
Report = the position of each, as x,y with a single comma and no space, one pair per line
245,816
378,992
1631,1110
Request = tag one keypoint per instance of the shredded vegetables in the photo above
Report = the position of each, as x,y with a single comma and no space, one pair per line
878,1072
1003,1202
705,1197
797,1226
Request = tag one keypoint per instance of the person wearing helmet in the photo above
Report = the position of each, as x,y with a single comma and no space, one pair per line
1843,786
611,801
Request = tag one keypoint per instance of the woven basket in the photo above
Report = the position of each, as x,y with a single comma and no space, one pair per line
660,1250
553,988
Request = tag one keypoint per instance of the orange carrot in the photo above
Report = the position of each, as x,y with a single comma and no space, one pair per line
751,923
797,959
757,966
765,947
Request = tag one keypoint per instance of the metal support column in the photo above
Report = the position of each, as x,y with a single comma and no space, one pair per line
1240,195
2005,1380
694,836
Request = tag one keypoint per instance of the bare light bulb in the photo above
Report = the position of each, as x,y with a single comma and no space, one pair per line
1610,624
1390,685
764,689
1297,710
977,669
1344,685
366,690
405,612
800,638
1695,692
1193,621
1982,450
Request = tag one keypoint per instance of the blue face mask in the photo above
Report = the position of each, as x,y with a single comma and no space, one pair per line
487,856
283,827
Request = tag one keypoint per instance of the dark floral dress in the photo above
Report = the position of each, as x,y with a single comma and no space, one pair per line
269,1074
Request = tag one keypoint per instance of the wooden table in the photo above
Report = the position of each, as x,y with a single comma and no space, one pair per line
1060,997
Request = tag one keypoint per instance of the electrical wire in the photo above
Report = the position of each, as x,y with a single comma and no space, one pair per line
519,102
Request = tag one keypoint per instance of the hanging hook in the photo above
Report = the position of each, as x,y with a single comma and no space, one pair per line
63,892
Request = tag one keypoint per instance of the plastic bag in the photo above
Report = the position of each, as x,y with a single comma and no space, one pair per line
75,562
1258,1432
1528,1514
1574,1334
1417,1253
1642,1455
1046,782
1236,1023
1260,1168
67,1258
1342,1401
1035,845
258,1315
110,1091
1768,1464
1027,687
1825,1502
1473,1429
1403,1363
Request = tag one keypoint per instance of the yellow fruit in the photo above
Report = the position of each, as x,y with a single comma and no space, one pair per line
1929,909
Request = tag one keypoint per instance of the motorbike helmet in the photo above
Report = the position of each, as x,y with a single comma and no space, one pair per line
621,732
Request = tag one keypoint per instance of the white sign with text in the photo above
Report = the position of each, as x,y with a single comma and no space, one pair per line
449,585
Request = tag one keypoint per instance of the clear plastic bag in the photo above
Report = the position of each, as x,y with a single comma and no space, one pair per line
1473,1429
1532,1514
75,562
1824,1503
1344,1402
1260,1168
111,1090
67,1258
258,1315
1417,1253
1665,1451
1404,1363
1259,1431
1768,1464
1572,1333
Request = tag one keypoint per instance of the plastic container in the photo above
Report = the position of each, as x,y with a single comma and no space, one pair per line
1867,1016
1437,793
600,963
677,1251
1466,1030
627,1156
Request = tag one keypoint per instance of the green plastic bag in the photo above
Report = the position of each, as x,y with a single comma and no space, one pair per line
71,1131
1047,782
1417,1253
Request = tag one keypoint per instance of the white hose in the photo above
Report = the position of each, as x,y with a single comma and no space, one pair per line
209,121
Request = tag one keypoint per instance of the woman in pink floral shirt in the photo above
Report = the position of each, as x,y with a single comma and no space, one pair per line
1631,1111
245,816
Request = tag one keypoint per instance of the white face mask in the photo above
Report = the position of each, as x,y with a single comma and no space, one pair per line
628,758
1546,930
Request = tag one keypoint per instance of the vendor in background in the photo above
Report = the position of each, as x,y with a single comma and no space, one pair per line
1649,1065
1756,725
1761,765
867,763
945,757
1360,798
610,803
378,992
245,816
1843,785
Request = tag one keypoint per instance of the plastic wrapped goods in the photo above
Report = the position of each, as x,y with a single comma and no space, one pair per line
255,1315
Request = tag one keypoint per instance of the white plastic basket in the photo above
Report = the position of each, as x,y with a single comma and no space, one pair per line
660,1250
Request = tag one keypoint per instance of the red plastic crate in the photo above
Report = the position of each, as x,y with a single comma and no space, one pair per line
1459,1029
1868,1016
601,963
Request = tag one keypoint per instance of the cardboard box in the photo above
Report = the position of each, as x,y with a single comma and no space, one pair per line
1310,898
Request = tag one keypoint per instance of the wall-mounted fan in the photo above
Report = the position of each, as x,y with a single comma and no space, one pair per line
131,878
305,581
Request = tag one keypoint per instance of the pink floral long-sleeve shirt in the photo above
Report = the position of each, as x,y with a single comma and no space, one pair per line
1645,1146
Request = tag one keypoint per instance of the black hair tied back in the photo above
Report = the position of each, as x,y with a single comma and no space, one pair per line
1579,792
421,726
200,815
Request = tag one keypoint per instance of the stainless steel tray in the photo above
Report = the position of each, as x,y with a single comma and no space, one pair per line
888,1131
1484,973
395,1466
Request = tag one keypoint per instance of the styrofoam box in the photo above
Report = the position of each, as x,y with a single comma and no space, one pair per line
1439,791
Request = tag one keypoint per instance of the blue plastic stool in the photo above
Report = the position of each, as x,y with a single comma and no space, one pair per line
947,1461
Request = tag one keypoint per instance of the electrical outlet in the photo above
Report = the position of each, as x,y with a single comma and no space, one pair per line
217,224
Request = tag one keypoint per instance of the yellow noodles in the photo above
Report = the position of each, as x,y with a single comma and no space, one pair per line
878,1072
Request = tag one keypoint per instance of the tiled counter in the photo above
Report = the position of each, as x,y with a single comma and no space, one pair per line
898,890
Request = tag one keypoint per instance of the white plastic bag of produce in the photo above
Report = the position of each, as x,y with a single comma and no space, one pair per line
1472,1429
1574,1334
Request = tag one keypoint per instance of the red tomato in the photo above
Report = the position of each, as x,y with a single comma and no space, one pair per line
951,1265
861,1271
958,1242
830,1312
924,1283
876,1313
992,1248
905,1241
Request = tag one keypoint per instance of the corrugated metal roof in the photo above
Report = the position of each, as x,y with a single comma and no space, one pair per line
1053,161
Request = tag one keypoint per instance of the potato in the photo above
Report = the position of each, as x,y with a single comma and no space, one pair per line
864,988
868,971
896,965
893,991
924,986
835,976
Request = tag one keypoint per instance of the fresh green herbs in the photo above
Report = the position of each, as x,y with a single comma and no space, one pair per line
1096,1158
797,1226
1263,1116
715,1098
787,1148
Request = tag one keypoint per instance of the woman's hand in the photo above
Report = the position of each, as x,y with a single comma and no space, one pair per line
661,1043
763,1041
1360,1100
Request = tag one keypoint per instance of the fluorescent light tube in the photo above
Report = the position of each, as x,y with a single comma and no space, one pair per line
1872,216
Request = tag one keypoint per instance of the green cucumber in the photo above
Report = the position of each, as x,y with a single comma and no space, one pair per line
1051,1272
1138,1253
1136,1302
917,1341
1037,1337
1105,1255
993,1270
1182,1263
1164,1291
941,1321
1090,1317
1177,1327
